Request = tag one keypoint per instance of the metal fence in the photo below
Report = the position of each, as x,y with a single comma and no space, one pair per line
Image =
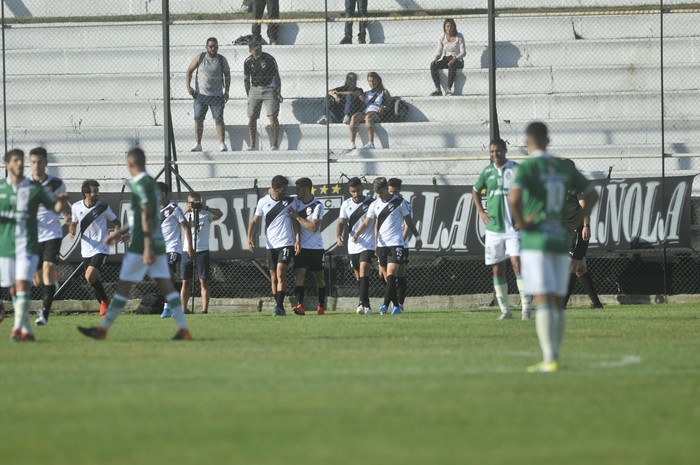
616,85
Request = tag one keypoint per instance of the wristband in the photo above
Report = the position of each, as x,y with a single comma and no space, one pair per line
587,226
418,238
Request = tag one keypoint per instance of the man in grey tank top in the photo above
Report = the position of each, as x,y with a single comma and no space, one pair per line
211,84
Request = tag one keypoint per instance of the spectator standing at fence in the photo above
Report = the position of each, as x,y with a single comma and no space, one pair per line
172,224
389,213
343,101
146,252
273,12
502,240
350,6
92,215
263,84
211,90
579,237
198,218
376,101
50,232
538,204
401,281
309,213
282,236
353,212
20,198
449,55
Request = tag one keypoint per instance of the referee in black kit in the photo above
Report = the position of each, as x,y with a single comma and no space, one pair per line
262,84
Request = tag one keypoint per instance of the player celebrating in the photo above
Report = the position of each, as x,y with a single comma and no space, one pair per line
20,198
172,223
308,213
538,204
353,212
401,283
50,232
390,213
92,215
502,240
282,236
146,253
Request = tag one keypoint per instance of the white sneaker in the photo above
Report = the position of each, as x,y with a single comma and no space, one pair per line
526,315
251,148
353,147
41,321
506,315
222,147
368,145
448,92
346,119
368,310
360,310
322,120
196,148
275,148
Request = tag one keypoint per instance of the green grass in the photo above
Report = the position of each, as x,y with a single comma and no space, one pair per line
422,388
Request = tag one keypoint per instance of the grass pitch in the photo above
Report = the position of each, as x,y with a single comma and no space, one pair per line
420,388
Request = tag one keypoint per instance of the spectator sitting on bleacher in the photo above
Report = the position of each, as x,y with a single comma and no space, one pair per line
350,12
343,101
375,102
450,54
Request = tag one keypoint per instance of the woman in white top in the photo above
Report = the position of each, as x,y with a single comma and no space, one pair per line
450,54
375,100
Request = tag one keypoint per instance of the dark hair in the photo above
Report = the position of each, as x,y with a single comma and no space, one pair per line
13,153
87,186
538,132
349,75
448,21
499,142
378,184
137,157
279,181
304,182
394,182
355,182
211,39
378,78
164,188
255,42
39,152
195,195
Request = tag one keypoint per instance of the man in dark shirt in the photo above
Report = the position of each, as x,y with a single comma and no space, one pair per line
343,101
262,84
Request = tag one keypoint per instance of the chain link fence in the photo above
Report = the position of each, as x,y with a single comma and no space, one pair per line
86,81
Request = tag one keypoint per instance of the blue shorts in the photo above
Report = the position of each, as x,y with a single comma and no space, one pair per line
203,102
202,261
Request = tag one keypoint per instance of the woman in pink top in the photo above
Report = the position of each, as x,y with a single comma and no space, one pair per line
450,54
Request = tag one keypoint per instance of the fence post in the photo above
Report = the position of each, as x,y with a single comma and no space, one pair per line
663,136
493,116
166,92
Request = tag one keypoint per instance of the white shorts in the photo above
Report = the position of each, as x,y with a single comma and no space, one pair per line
133,269
545,272
499,246
17,269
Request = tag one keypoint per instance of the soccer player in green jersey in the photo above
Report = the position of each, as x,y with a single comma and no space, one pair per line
502,240
146,253
20,198
538,204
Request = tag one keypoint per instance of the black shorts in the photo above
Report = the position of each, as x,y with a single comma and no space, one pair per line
96,261
280,255
310,259
202,259
49,251
173,260
366,256
394,254
577,246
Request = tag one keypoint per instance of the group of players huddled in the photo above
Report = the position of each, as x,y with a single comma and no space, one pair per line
535,212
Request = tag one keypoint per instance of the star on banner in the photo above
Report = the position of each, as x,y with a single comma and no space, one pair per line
324,189
336,189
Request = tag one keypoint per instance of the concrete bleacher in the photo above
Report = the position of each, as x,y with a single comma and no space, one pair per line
88,91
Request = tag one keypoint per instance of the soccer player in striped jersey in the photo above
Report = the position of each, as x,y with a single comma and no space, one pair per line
538,204
282,236
502,240
146,252
352,213
401,283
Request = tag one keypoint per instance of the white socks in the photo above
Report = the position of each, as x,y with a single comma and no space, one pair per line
173,300
21,305
550,331
501,288
525,300
116,306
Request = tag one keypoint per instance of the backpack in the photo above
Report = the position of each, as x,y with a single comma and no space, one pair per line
396,111
151,304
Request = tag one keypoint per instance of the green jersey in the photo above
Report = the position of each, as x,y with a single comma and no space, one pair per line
544,181
145,193
497,182
18,217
